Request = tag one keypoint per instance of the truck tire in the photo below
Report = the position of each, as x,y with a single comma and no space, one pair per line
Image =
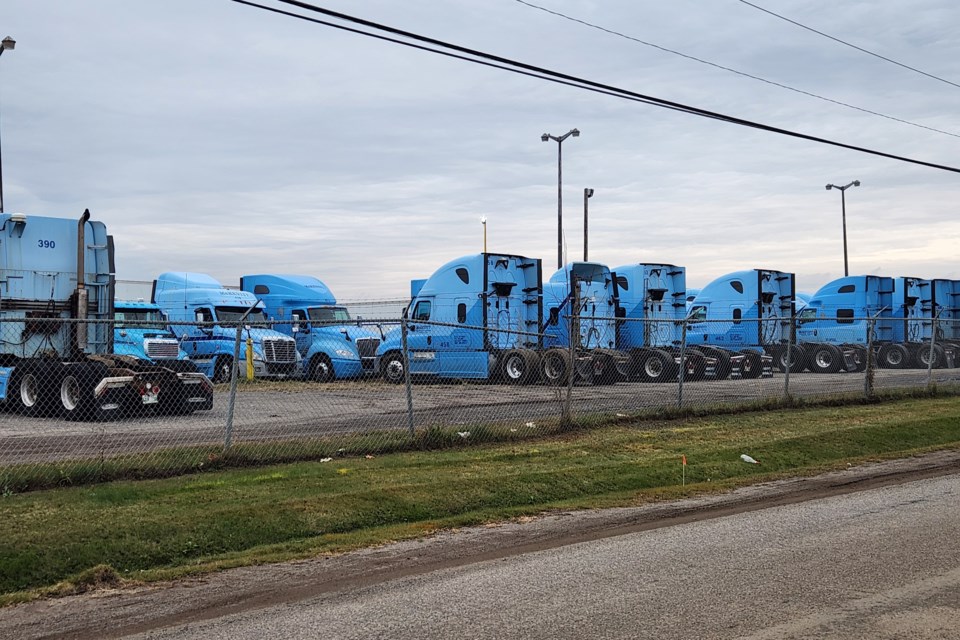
922,357
321,369
392,367
859,359
794,358
31,390
604,369
222,369
723,366
825,358
519,366
554,367
656,366
893,356
752,366
695,366
77,385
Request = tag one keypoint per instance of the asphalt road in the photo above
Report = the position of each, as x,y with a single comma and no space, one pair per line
292,411
877,564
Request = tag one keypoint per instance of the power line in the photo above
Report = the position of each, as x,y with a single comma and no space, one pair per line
852,46
731,70
506,64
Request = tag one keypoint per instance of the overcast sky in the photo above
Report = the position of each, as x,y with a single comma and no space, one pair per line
214,137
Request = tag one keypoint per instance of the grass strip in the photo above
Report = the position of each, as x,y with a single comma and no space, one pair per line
68,540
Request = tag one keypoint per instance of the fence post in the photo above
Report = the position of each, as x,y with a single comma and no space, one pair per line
233,388
406,374
933,341
683,362
868,370
574,340
789,361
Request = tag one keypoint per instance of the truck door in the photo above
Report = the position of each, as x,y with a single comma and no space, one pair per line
302,333
420,338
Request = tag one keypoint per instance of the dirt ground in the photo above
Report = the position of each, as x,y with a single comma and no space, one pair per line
112,613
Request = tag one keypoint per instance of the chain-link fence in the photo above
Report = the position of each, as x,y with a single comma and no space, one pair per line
163,400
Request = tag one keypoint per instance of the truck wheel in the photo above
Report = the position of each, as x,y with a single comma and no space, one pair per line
321,369
656,366
392,366
554,367
696,365
723,366
923,357
794,359
859,359
752,367
825,358
893,356
519,366
604,369
222,369
77,385
27,389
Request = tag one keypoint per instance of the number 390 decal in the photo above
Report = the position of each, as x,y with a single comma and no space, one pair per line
46,244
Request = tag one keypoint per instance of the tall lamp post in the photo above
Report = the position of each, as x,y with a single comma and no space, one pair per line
6,43
483,221
843,205
559,140
587,194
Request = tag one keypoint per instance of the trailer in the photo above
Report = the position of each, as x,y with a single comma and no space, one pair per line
57,354
476,318
744,320
330,343
204,316
941,305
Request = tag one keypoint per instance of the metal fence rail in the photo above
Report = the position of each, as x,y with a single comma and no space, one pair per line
84,419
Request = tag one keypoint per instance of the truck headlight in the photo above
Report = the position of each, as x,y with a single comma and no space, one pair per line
346,353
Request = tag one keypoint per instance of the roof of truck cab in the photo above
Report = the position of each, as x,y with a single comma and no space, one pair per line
289,287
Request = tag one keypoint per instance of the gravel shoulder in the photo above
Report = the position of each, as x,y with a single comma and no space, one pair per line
118,612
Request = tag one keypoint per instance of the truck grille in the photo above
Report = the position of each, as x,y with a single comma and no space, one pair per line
367,347
279,350
161,349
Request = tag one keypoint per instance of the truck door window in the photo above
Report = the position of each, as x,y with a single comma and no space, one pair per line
737,314
698,313
461,313
205,315
844,316
422,310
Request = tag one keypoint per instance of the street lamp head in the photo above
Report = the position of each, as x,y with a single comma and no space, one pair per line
829,186
588,193
483,220
856,183
545,137
8,43
575,133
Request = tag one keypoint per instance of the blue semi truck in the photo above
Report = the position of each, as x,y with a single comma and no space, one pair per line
942,302
57,354
745,313
331,344
477,317
832,329
203,315
583,294
653,305
140,330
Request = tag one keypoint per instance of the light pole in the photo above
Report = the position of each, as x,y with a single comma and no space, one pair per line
559,139
843,205
6,43
483,221
587,194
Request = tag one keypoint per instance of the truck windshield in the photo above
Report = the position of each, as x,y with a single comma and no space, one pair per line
233,314
337,315
139,319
